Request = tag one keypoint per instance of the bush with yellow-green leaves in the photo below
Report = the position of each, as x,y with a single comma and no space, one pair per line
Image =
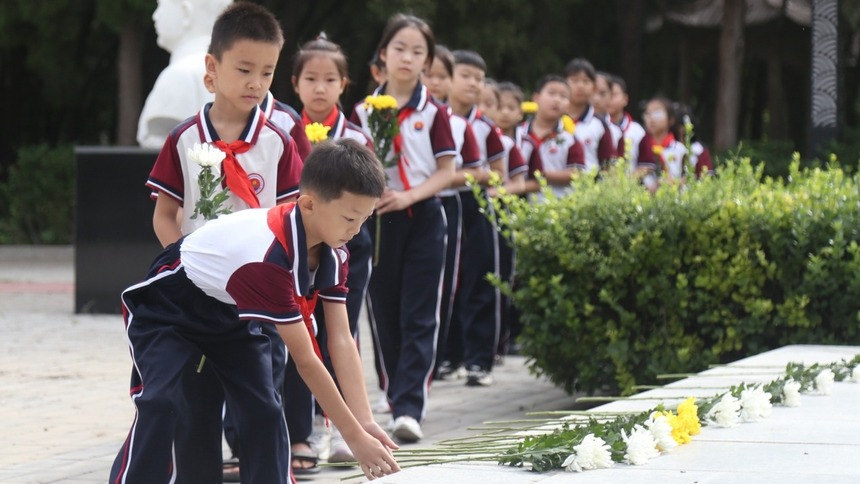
616,285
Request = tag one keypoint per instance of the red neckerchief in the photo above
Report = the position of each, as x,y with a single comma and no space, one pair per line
402,162
234,175
275,219
551,135
329,120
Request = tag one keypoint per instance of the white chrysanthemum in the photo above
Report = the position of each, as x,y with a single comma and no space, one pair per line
661,430
791,394
591,453
855,374
824,382
755,404
726,413
205,154
641,446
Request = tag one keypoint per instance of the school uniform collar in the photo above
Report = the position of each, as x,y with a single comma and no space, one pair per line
420,96
328,271
586,115
474,114
268,104
335,120
256,120
626,119
559,128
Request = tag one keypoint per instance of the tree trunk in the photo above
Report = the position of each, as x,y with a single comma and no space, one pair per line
731,66
630,15
129,73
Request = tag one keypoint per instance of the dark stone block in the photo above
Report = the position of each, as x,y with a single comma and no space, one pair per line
114,240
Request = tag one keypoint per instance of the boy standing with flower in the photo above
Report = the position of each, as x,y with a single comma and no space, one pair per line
261,168
553,134
264,266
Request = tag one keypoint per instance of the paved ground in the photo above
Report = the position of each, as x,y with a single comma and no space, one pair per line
64,406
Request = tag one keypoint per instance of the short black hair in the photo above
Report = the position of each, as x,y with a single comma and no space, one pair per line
342,165
580,65
469,58
513,89
543,81
607,76
620,82
446,58
244,21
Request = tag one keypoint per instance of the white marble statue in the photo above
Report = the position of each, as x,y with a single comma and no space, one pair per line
184,28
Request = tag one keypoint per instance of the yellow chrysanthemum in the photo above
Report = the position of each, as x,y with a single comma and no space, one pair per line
317,132
568,124
380,102
657,149
529,107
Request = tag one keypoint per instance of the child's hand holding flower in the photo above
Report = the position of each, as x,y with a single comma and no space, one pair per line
209,204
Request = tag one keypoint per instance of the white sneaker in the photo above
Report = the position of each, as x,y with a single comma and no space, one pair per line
479,377
382,405
320,439
407,429
339,450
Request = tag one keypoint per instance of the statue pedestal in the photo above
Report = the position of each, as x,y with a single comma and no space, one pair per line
114,240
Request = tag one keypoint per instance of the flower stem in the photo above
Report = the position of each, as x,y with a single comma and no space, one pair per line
376,240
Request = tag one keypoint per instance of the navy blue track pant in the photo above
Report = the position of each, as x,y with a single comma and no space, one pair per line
446,344
169,322
403,302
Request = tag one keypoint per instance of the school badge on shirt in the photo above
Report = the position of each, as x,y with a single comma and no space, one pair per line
257,182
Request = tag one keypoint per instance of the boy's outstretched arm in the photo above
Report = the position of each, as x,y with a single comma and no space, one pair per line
349,370
374,458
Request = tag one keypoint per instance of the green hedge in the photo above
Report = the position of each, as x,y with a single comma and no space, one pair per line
37,197
616,286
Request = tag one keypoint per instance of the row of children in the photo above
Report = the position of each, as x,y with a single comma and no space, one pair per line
236,292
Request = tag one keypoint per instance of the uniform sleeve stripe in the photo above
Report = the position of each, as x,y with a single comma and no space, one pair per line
446,151
496,156
292,191
474,164
161,188
338,299
292,318
518,170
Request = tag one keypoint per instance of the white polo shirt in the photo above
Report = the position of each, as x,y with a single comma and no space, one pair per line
272,164
637,144
288,119
559,150
596,140
426,135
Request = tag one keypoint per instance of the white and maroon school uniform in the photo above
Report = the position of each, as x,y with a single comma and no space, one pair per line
475,320
530,152
299,404
272,164
617,135
700,157
559,150
468,156
672,154
285,117
403,305
202,294
636,145
516,166
596,140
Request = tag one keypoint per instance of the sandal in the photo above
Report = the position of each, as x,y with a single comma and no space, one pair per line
301,458
230,470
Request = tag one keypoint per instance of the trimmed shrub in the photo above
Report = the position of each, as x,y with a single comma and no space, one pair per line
38,197
616,285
